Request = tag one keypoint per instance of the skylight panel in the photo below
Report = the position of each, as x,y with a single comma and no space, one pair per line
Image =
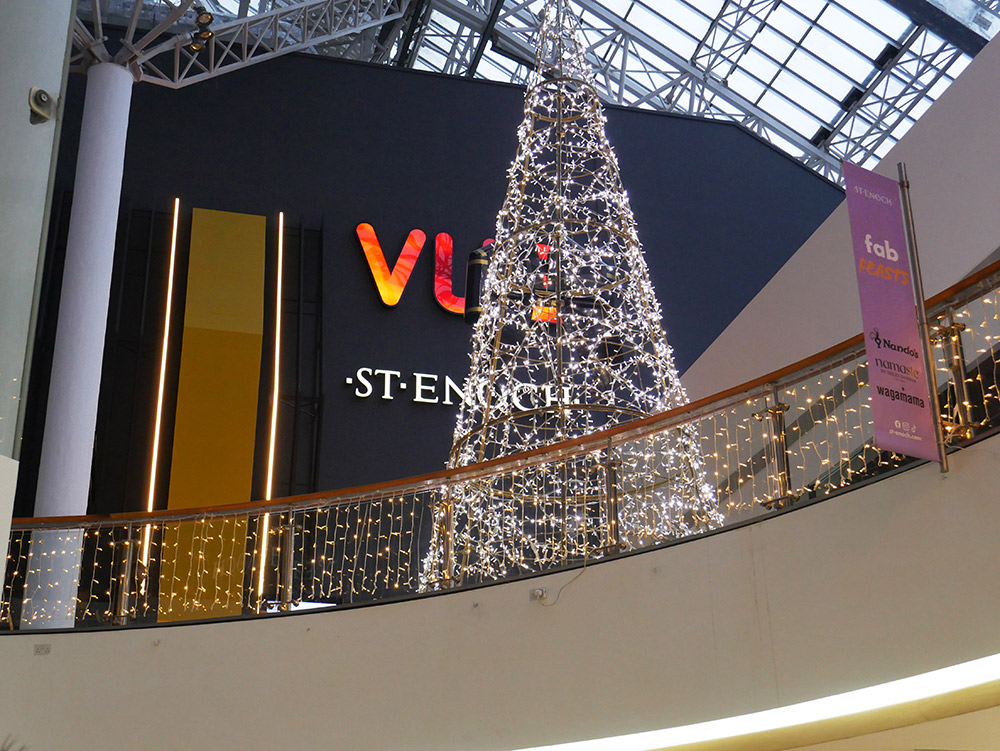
879,14
805,96
849,65
649,60
431,59
431,49
745,85
707,9
779,47
855,37
618,7
921,107
958,66
681,34
421,64
229,6
831,49
445,22
808,8
789,23
850,33
935,91
886,146
774,44
821,75
760,66
790,114
650,23
492,71
694,18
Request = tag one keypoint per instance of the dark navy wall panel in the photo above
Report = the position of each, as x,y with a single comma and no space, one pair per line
336,144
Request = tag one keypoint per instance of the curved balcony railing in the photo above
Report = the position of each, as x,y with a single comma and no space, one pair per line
794,435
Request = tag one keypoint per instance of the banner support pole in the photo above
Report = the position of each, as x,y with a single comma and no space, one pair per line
918,293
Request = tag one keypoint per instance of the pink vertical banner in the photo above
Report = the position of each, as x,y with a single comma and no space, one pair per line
902,409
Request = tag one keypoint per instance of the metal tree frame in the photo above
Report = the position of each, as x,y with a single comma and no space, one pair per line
570,342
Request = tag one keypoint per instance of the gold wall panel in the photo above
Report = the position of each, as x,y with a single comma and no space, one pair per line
216,418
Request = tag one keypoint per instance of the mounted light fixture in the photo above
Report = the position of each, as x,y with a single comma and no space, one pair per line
199,37
202,17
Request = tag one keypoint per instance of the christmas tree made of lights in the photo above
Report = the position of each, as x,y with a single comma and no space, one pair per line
570,342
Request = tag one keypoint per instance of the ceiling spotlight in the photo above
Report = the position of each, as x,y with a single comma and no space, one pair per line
202,17
202,34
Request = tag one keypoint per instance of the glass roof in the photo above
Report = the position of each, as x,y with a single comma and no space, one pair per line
824,80
821,79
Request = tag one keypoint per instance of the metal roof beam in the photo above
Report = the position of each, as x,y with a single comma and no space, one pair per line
484,37
714,86
689,76
418,17
968,24
246,41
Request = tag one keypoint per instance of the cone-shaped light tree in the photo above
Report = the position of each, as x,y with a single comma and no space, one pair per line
570,341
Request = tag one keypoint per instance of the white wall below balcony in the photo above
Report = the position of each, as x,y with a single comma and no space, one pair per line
812,302
887,581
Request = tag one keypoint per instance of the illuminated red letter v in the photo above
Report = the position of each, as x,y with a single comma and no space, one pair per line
390,285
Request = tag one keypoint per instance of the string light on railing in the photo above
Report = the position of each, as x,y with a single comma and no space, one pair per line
366,547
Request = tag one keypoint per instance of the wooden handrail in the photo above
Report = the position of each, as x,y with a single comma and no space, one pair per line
435,479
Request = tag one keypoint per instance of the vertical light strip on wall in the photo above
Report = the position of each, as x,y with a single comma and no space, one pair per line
277,358
265,523
163,378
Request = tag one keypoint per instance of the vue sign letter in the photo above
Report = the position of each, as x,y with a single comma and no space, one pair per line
390,285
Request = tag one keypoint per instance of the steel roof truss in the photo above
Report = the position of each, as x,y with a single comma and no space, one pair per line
246,41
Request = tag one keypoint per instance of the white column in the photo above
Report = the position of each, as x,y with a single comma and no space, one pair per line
68,441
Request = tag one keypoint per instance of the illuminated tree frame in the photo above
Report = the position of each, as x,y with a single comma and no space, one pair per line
570,342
